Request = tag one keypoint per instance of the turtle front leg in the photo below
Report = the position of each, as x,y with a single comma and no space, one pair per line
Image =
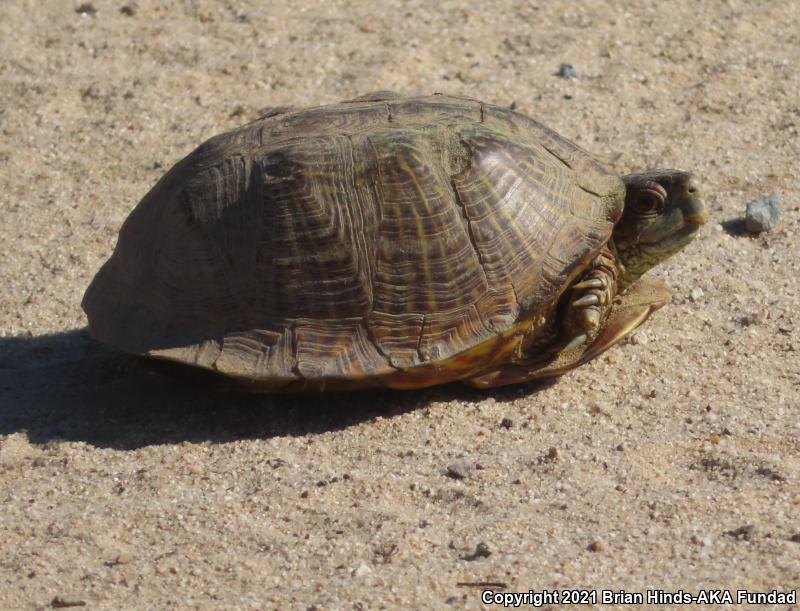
629,310
591,299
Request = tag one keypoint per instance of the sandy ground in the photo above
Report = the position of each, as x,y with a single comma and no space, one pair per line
671,463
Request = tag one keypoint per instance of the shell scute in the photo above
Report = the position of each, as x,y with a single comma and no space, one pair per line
426,262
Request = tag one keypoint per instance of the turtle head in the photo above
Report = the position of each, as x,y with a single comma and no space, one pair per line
663,211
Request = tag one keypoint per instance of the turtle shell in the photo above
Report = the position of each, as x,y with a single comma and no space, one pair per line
387,240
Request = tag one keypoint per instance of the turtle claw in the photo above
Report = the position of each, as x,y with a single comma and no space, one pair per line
576,341
587,300
590,319
591,283
596,291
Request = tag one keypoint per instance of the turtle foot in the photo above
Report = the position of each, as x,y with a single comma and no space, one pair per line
594,295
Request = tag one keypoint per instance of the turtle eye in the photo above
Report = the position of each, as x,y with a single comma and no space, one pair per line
650,200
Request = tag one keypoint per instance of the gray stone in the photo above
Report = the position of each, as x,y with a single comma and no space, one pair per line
567,71
763,214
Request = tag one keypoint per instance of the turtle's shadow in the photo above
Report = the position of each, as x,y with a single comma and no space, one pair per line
66,386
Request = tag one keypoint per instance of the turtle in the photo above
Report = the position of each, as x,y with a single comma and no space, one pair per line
390,241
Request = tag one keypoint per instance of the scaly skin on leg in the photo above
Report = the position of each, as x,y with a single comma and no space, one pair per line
627,312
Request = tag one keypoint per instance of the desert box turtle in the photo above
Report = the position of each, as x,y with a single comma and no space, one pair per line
390,241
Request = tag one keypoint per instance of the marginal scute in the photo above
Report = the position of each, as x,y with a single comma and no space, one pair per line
267,352
397,336
385,240
337,349
446,333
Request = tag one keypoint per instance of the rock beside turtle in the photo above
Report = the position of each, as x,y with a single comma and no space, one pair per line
390,241
763,214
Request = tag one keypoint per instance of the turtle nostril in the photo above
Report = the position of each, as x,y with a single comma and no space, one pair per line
693,185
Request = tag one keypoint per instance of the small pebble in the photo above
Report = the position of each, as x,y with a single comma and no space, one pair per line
385,551
754,318
595,546
506,423
639,339
128,9
620,448
743,532
553,454
87,8
567,71
696,294
795,538
481,551
120,559
763,214
704,541
67,600
362,570
459,469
